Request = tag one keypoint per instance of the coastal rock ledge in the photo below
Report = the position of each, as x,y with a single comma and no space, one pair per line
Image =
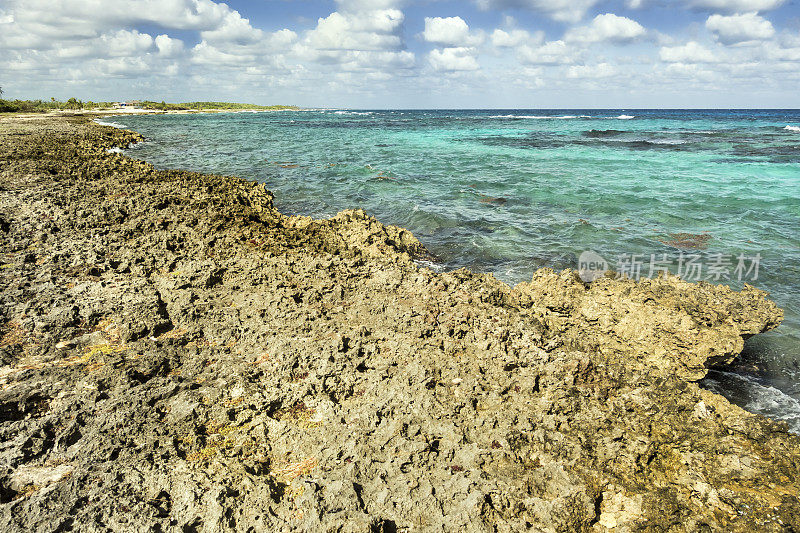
177,355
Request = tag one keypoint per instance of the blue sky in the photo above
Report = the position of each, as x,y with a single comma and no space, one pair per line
406,53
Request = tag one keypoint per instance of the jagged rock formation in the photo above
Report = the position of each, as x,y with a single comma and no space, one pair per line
179,356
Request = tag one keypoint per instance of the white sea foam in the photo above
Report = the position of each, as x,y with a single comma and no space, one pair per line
115,150
792,128
112,124
353,113
668,141
765,400
775,403
541,117
436,267
560,117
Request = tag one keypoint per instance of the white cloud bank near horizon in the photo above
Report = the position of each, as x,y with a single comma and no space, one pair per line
366,54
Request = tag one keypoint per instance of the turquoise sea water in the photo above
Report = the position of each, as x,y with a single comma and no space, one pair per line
512,191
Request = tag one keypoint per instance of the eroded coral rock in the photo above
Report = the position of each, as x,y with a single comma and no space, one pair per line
665,323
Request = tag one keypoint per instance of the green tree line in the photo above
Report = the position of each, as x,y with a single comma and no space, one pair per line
198,106
43,106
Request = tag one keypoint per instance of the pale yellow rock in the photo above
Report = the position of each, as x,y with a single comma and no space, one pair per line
619,511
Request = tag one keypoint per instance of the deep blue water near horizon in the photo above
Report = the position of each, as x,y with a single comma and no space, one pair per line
511,191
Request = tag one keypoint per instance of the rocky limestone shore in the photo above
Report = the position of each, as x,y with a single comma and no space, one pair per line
177,355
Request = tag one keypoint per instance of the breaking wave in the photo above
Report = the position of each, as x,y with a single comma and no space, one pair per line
760,398
362,113
560,117
112,124
541,117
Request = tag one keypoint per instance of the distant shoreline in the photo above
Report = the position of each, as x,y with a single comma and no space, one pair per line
74,106
125,112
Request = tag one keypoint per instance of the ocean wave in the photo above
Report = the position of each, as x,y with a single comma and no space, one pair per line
560,117
762,399
792,128
541,117
364,113
436,267
114,150
668,141
112,124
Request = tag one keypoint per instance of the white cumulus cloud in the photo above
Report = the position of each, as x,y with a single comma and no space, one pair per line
386,61
691,52
454,59
168,47
740,28
692,73
372,30
81,16
515,38
452,31
125,43
281,39
550,53
205,53
233,28
125,67
601,70
608,27
122,43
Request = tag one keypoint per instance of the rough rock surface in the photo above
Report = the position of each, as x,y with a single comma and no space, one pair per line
178,356
677,327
